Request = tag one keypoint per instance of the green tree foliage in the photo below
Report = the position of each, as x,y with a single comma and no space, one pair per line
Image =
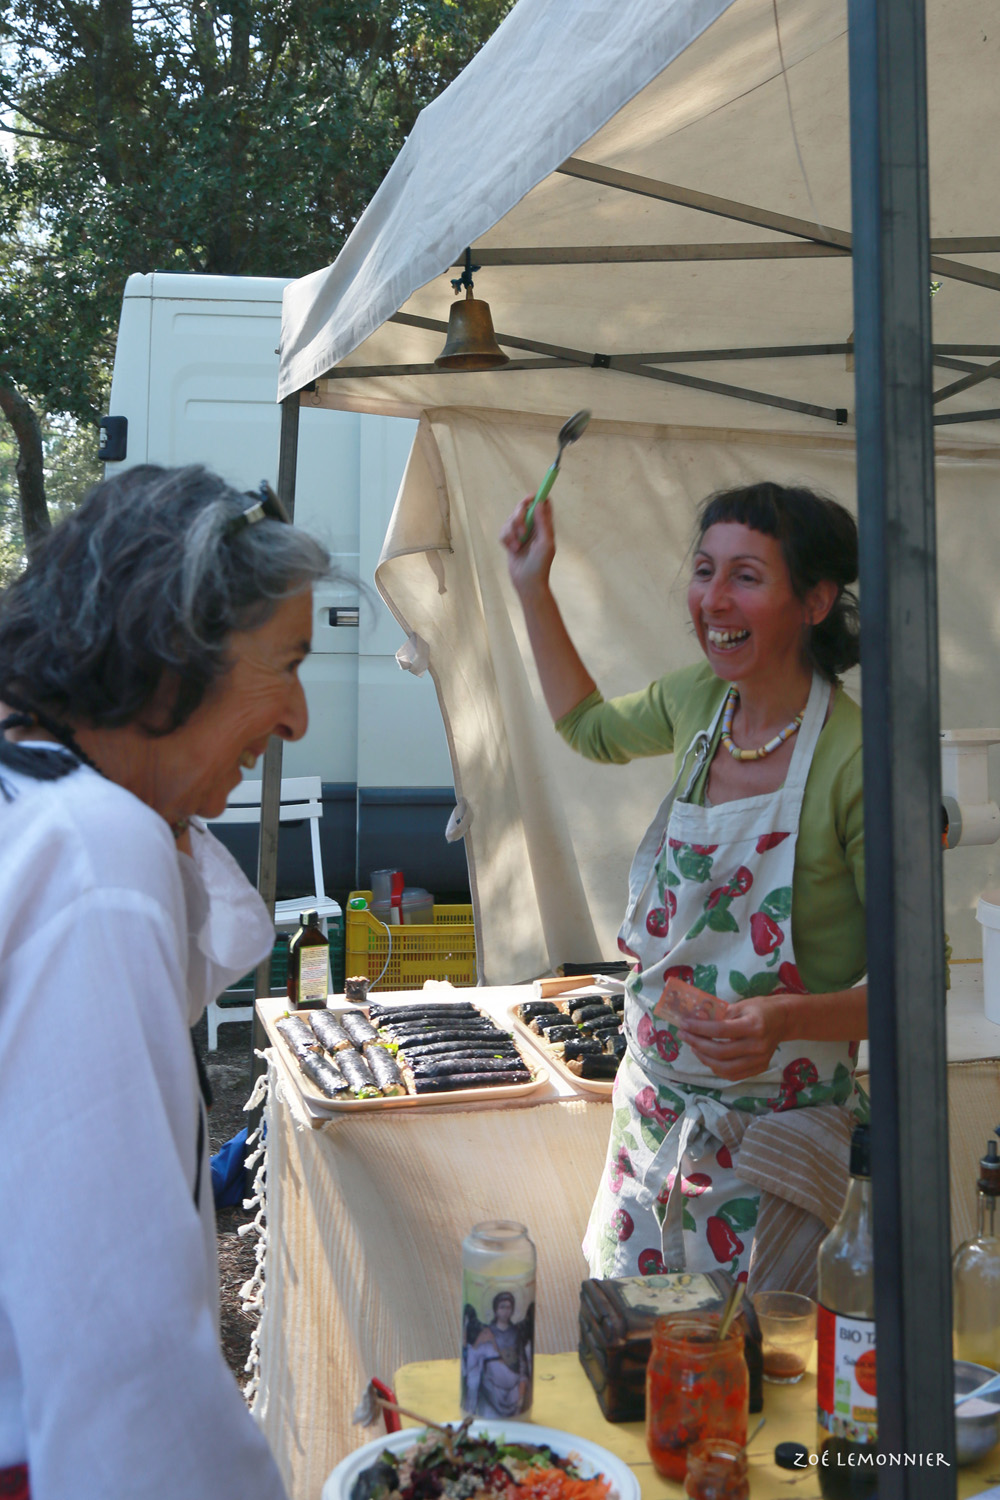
238,138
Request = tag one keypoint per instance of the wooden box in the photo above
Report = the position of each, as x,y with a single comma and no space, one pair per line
616,1324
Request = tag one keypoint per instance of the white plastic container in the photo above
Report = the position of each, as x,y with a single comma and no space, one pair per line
988,917
417,905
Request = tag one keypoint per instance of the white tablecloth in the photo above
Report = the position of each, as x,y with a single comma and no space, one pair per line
366,1217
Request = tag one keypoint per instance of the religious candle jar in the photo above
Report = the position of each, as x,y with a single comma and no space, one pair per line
697,1387
717,1470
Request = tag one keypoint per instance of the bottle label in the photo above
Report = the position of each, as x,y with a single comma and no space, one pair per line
845,1376
314,965
498,1343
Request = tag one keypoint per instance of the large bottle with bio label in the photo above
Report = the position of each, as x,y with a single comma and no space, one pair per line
498,1319
845,1368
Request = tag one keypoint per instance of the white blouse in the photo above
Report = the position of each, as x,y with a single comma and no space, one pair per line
112,1381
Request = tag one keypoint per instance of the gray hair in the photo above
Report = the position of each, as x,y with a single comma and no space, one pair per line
146,577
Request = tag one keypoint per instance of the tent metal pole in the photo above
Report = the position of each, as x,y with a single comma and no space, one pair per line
910,1178
270,793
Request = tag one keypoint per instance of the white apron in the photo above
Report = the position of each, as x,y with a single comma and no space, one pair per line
710,900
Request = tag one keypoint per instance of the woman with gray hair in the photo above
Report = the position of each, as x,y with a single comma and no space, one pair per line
146,655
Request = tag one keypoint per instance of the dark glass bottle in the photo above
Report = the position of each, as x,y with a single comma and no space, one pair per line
845,1369
308,965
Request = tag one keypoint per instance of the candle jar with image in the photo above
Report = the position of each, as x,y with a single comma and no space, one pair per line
498,1320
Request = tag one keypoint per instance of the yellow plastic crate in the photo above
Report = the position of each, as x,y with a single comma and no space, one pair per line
442,949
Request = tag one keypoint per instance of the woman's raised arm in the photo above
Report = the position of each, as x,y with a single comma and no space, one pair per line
564,678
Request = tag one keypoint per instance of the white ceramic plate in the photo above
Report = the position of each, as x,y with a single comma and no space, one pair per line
593,1459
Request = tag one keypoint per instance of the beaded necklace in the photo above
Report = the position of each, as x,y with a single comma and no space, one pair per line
729,713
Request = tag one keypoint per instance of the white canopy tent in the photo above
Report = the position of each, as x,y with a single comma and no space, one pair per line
659,194
661,215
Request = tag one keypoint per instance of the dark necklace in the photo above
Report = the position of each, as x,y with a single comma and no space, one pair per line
28,714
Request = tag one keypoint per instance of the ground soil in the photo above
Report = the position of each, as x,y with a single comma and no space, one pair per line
229,1072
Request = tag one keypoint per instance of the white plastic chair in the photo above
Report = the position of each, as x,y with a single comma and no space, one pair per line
301,797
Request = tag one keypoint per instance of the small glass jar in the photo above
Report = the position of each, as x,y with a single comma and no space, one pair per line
697,1387
717,1470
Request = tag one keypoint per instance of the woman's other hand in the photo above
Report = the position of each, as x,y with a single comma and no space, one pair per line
529,559
743,1044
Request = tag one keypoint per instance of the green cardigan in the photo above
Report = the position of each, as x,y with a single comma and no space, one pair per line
828,888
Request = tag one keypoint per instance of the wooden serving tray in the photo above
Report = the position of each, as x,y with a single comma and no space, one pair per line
317,1100
598,1088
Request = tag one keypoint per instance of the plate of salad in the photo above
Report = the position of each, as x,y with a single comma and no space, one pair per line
481,1460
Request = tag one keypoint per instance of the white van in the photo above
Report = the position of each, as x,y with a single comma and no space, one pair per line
195,375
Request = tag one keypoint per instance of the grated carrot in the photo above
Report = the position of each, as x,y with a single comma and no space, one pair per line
556,1484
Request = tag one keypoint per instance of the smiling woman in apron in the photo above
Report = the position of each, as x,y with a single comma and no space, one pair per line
730,1131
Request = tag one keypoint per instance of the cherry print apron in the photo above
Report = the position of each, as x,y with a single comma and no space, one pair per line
710,900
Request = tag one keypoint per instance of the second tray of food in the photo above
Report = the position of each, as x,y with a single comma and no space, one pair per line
379,1056
579,1034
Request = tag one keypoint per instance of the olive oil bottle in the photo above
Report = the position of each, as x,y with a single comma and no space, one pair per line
845,1368
308,965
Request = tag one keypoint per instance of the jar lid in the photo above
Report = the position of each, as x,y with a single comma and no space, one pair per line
791,1456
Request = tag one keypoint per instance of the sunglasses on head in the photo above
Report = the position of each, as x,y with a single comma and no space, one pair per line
265,503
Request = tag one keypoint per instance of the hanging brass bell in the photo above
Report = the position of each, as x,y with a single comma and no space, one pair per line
471,343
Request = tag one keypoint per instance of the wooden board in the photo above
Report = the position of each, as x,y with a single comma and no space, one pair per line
317,1100
597,1088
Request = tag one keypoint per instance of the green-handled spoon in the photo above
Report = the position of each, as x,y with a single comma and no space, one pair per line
568,433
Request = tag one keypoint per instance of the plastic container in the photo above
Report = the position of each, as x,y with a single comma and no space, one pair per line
697,1386
443,949
417,905
988,917
382,884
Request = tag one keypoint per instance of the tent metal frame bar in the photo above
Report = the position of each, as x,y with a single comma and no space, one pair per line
591,255
945,419
746,213
557,357
985,372
901,754
608,362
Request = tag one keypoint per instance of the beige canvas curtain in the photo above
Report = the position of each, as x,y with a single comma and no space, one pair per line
551,835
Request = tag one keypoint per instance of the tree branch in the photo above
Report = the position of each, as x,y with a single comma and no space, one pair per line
35,521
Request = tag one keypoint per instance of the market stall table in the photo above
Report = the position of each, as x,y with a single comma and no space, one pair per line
366,1216
565,1400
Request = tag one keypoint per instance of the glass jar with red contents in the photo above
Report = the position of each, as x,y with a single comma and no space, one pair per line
697,1387
717,1470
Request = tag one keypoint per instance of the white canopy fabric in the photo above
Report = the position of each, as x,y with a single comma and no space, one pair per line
642,182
